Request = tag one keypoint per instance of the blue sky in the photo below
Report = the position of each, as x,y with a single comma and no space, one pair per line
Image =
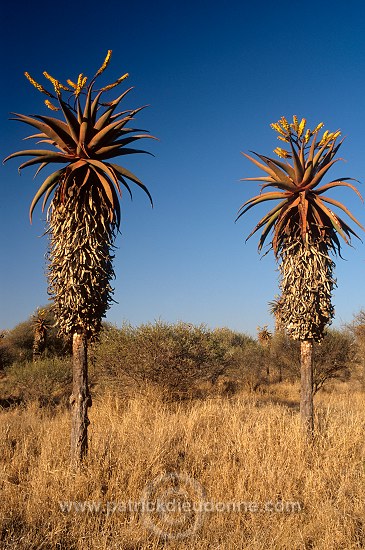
215,75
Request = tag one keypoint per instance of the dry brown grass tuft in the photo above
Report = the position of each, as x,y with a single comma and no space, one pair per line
246,450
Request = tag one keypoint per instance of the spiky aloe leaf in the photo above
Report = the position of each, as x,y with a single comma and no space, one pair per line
303,209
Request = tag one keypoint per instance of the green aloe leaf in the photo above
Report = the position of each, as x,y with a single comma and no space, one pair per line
73,123
280,174
332,218
257,200
47,194
104,118
44,128
298,167
52,157
120,143
106,185
94,108
61,129
269,226
124,173
30,153
320,174
339,183
267,216
105,134
263,167
52,180
103,167
344,209
284,165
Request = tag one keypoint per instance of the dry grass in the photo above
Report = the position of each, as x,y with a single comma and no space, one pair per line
246,449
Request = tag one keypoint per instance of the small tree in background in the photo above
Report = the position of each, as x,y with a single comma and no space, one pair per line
275,310
305,232
40,333
264,337
84,214
357,328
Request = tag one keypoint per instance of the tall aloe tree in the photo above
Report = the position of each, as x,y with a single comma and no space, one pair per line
84,214
305,231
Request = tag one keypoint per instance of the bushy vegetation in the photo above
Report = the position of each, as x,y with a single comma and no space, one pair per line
180,360
334,358
16,345
47,381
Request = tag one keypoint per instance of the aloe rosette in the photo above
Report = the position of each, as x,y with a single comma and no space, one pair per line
84,213
303,225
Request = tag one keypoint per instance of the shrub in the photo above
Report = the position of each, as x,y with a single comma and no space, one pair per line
333,358
17,344
47,381
180,358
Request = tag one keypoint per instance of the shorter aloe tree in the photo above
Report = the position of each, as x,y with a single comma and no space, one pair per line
305,232
40,333
84,213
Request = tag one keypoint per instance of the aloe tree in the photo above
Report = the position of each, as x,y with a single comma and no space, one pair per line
84,214
305,233
40,333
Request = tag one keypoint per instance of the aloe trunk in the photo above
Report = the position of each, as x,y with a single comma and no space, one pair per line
306,390
39,345
80,399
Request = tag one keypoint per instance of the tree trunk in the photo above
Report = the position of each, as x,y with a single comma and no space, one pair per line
80,400
39,344
306,391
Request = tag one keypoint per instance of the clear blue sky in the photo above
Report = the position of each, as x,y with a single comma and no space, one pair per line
215,75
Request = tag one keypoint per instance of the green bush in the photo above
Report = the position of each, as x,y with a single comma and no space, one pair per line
179,358
333,358
16,345
47,381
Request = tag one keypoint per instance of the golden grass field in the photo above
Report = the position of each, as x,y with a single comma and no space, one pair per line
246,449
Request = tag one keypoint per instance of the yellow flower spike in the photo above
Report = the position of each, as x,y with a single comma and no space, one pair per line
307,136
285,123
275,126
301,127
295,123
282,138
36,85
318,127
110,86
281,153
51,106
80,84
56,84
105,64
324,138
72,84
336,134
